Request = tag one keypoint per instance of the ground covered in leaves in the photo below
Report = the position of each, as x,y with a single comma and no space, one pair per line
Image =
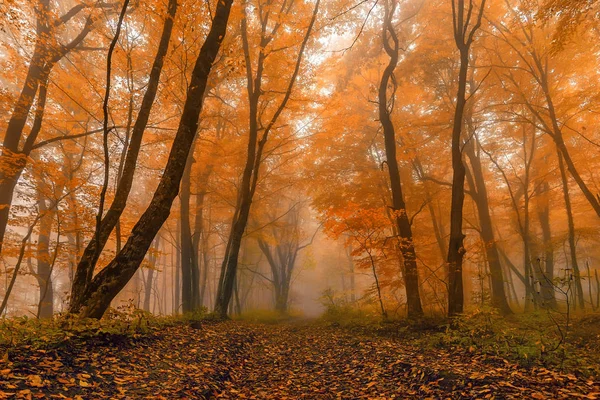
242,360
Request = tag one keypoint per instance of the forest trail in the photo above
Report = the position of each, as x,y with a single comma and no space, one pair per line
239,360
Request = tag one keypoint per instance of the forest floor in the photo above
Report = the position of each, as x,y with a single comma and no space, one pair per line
244,360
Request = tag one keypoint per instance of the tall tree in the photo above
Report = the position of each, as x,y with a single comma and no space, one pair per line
406,244
48,51
254,82
464,34
109,282
106,223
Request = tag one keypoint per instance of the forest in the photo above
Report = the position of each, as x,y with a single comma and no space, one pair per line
299,199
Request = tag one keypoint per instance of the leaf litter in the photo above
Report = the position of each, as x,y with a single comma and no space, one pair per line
241,360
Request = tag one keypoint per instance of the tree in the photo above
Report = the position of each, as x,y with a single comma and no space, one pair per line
109,281
464,34
254,82
106,223
400,215
281,249
47,53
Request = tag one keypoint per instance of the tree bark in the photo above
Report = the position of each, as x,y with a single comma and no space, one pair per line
187,262
109,282
87,263
545,270
400,216
463,37
150,277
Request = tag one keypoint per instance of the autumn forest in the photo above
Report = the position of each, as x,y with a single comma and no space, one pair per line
206,178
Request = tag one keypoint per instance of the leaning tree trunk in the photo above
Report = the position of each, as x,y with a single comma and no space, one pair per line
400,216
87,263
109,282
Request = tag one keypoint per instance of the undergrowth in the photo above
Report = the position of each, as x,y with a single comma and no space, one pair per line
531,340
125,322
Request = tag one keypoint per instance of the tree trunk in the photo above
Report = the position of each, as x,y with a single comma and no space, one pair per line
571,224
546,273
85,268
463,37
480,196
187,256
405,242
44,269
148,283
109,282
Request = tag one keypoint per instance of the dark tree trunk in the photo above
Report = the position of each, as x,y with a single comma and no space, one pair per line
87,263
254,154
463,37
109,282
400,216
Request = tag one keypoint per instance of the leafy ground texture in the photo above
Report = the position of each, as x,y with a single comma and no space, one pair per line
243,360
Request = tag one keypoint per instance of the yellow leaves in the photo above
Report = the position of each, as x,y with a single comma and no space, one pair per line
83,383
35,381
64,381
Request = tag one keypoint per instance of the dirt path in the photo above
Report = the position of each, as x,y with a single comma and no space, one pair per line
241,360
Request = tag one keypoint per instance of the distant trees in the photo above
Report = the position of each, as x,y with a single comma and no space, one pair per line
256,147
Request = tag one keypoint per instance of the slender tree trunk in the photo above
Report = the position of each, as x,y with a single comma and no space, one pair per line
571,224
109,282
149,282
87,263
187,276
406,243
480,196
546,273
177,284
44,270
463,37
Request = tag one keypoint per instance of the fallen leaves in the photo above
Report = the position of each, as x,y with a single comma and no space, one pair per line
235,360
